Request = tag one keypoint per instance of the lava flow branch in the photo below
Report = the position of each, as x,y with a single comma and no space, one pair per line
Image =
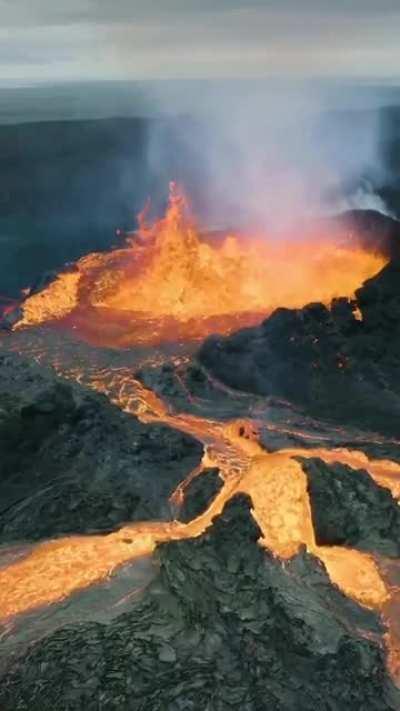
170,281
277,485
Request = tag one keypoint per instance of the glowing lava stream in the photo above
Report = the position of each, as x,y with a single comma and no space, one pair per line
276,484
130,294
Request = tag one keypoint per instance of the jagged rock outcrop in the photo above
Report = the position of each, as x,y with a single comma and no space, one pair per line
199,494
333,364
349,508
70,461
224,626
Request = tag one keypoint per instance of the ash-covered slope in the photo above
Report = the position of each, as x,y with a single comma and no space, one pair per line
341,363
223,626
71,462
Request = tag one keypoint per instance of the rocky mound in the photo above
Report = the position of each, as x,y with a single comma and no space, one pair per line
341,363
224,626
376,231
199,494
349,508
72,462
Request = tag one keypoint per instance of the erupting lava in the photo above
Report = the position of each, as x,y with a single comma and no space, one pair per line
171,282
171,279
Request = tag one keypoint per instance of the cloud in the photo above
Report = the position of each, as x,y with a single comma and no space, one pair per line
192,38
48,12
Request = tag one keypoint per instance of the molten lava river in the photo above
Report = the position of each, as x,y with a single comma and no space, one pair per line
167,287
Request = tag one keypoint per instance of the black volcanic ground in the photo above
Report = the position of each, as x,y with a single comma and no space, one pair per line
326,360
223,625
220,625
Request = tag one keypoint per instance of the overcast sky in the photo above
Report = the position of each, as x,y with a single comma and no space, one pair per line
158,39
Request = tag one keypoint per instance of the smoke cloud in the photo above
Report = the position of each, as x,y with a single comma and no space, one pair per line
262,156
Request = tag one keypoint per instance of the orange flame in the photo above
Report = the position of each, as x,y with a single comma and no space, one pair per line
171,278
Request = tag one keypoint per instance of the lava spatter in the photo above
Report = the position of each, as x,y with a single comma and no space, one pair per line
171,282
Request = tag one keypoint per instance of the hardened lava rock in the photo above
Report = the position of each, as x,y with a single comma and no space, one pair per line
71,462
199,494
349,508
224,626
339,363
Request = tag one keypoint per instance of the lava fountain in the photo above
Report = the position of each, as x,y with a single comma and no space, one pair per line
171,282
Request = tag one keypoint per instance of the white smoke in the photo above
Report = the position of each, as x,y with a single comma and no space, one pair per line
264,154
364,197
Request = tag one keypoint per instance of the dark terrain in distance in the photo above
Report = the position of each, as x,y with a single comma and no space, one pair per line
67,185
67,182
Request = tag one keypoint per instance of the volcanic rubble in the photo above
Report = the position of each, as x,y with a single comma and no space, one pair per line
223,626
71,462
348,508
199,494
342,363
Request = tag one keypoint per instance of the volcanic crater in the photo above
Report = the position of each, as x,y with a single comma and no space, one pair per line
195,521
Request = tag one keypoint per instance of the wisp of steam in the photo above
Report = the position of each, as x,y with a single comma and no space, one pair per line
256,154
